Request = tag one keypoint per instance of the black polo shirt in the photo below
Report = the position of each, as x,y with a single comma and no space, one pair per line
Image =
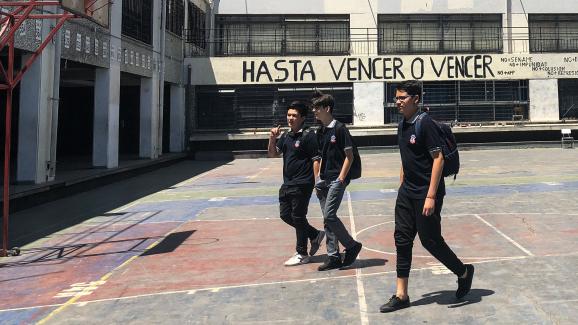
298,150
333,139
416,156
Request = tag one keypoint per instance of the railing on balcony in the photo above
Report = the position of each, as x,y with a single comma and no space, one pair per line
374,41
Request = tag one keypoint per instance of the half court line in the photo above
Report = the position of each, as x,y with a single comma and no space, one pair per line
505,236
360,288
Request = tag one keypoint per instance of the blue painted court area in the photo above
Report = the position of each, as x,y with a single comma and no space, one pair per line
208,248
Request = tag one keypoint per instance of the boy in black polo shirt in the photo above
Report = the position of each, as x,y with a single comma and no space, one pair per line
299,147
420,197
332,170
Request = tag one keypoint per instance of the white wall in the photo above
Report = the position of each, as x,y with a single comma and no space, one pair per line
544,104
368,101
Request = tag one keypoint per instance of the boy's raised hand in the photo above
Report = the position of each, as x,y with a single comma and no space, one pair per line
275,131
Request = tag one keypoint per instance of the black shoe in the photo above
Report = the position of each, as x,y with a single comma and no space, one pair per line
351,254
394,304
464,285
330,263
316,242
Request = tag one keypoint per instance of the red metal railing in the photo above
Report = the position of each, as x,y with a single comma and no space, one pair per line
10,21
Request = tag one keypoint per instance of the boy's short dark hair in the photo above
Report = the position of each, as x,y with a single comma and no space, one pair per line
323,100
411,87
299,106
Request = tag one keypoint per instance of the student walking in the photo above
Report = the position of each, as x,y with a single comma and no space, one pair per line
420,197
298,147
332,168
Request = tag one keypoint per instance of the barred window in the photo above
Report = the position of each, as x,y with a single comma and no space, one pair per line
553,33
568,98
282,35
439,34
137,19
196,33
236,107
468,101
175,16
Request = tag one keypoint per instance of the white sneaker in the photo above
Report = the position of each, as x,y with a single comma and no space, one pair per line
297,259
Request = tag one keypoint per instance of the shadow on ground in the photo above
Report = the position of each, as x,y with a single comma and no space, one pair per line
448,298
29,225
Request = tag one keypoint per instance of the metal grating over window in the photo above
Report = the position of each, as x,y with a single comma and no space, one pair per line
553,33
282,35
239,107
468,101
175,16
137,19
439,34
568,98
196,31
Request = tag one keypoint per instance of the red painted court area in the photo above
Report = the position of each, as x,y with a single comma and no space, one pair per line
186,254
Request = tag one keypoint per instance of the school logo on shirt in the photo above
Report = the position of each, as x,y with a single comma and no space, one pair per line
333,139
297,144
412,139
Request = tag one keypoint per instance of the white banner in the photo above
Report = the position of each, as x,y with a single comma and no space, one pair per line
331,69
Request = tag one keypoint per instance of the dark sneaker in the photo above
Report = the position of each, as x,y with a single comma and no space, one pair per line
330,264
394,304
316,242
464,285
351,254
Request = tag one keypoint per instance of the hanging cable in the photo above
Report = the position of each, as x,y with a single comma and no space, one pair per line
372,14
524,10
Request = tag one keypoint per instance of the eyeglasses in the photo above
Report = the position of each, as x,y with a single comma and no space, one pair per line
401,98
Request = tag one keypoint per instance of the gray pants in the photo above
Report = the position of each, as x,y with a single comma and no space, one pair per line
330,197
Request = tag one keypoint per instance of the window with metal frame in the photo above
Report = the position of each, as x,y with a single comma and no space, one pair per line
408,34
553,33
282,35
175,13
196,31
240,107
137,19
467,101
568,98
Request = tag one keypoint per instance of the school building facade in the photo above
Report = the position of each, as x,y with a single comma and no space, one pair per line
100,96
173,76
495,62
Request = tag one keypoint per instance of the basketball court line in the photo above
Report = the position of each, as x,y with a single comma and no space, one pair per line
217,289
527,252
192,179
360,288
104,278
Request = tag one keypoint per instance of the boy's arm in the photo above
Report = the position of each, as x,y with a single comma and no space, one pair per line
272,147
346,165
400,175
316,169
436,174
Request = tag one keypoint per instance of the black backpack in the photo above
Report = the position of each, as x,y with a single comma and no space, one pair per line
449,146
355,169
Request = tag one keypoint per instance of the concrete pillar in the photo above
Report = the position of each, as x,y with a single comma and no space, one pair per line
150,106
177,124
107,98
149,116
35,116
368,99
363,27
519,29
544,103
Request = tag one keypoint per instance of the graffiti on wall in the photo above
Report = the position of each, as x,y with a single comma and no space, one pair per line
235,70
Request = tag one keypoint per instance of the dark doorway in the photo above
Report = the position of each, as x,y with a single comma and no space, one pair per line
129,115
167,119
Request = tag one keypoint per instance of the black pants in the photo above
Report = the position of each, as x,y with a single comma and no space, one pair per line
409,220
293,206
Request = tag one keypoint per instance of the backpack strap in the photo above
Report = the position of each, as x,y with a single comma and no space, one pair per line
418,123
